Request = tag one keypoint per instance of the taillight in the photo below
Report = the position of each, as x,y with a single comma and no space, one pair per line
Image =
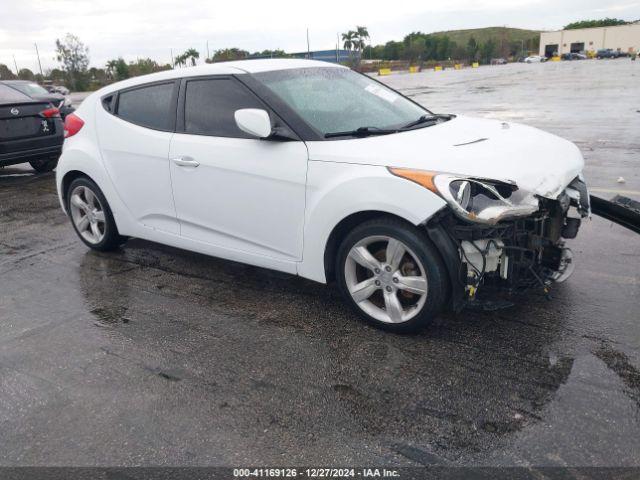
50,113
72,125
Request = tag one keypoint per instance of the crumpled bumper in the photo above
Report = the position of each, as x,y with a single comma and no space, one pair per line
516,254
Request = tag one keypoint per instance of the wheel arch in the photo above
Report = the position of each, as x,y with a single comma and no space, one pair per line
342,229
67,178
435,235
81,158
339,195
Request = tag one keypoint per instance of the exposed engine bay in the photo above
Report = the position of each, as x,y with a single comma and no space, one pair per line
516,251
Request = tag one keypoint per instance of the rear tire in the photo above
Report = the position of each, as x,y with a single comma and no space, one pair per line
44,165
392,275
91,216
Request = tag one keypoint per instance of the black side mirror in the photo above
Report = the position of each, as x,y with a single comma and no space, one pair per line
282,134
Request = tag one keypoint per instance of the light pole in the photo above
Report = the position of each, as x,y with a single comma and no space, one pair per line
39,64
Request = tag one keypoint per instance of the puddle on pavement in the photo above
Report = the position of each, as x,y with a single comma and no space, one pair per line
458,381
110,316
620,364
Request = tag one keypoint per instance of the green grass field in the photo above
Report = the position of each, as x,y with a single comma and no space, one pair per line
461,37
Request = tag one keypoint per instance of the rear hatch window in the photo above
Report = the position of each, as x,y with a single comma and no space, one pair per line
10,95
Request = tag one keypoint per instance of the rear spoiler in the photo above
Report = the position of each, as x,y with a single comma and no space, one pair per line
621,210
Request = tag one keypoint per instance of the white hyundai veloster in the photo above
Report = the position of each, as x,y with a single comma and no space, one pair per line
315,170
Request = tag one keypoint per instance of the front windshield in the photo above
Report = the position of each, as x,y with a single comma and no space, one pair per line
30,88
340,100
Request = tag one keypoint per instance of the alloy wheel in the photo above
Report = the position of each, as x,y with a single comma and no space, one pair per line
87,214
386,279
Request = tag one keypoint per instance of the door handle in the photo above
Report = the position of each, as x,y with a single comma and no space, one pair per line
185,162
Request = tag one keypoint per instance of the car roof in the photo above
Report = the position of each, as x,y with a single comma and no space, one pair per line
266,65
237,67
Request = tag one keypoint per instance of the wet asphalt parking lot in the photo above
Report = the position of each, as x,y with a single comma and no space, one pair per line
156,356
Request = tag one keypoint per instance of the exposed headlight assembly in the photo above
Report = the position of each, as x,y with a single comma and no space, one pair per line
475,199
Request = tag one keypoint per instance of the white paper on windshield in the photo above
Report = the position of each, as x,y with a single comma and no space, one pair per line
383,93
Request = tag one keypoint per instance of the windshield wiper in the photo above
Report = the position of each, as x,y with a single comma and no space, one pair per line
361,132
421,120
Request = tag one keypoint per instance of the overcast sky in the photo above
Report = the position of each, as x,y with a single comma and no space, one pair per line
139,28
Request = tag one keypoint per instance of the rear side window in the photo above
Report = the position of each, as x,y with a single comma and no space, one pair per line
11,95
108,103
210,105
149,106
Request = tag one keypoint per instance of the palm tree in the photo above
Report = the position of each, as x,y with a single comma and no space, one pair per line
192,54
180,60
356,40
363,33
349,40
111,67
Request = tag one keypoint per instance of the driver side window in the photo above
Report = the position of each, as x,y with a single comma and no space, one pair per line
210,104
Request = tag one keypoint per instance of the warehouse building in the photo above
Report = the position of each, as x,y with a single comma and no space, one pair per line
623,38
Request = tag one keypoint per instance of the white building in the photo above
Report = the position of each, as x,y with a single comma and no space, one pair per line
624,38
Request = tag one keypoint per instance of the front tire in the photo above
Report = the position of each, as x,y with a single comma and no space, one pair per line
91,216
392,275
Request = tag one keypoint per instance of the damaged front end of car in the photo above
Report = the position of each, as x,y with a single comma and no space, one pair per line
496,235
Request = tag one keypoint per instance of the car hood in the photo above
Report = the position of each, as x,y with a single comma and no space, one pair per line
539,162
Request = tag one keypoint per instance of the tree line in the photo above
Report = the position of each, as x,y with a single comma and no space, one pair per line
419,46
605,22
74,71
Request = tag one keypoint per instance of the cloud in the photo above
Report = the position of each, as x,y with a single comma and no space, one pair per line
141,28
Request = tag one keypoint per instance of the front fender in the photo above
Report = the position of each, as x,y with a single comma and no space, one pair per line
338,190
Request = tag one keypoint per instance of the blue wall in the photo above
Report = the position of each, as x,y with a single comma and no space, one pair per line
325,55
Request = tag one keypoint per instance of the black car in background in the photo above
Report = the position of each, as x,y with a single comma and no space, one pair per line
607,53
573,56
30,131
35,91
